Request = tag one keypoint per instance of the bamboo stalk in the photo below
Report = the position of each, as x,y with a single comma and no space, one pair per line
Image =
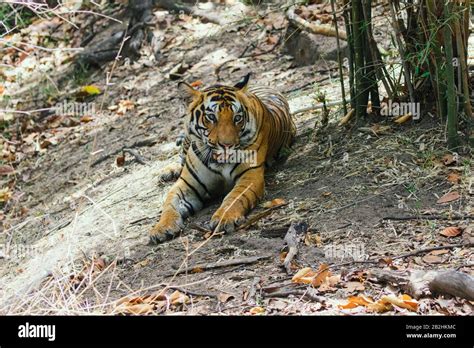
450,81
440,86
463,66
357,33
371,68
401,49
350,44
339,58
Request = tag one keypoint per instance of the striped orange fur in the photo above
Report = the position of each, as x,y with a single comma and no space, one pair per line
223,123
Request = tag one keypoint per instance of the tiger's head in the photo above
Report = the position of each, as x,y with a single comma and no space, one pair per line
221,117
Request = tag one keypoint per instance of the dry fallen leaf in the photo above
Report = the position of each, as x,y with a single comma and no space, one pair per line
224,297
157,297
356,301
380,129
273,203
86,119
448,159
386,261
454,178
451,231
5,170
312,239
139,308
329,283
272,39
308,276
430,258
403,119
449,197
301,274
403,301
99,264
439,252
178,298
322,274
120,161
257,310
143,263
5,194
124,106
382,305
354,286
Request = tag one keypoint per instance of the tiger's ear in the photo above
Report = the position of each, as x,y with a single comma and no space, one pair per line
242,84
188,89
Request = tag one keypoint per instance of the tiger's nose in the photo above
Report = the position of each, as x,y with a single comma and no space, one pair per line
226,145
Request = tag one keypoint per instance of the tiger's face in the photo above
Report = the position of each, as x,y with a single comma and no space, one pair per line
220,119
224,120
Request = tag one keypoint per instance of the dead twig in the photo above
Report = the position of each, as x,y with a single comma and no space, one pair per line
301,23
308,84
292,238
426,250
396,257
270,50
308,294
421,283
193,293
428,217
253,291
140,159
253,219
227,263
140,143
199,228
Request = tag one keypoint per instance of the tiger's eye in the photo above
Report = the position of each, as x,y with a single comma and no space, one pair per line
237,118
211,117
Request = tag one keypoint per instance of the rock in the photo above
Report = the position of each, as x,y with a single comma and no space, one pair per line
307,48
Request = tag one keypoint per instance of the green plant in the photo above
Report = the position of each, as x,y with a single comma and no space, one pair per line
15,16
81,74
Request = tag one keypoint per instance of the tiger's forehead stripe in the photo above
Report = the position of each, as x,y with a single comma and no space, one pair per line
216,98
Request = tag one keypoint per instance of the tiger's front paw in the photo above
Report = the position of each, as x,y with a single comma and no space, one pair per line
163,231
226,221
171,172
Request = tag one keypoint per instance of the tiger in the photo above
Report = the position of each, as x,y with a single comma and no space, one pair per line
223,121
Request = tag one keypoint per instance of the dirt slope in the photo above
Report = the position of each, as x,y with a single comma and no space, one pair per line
88,218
